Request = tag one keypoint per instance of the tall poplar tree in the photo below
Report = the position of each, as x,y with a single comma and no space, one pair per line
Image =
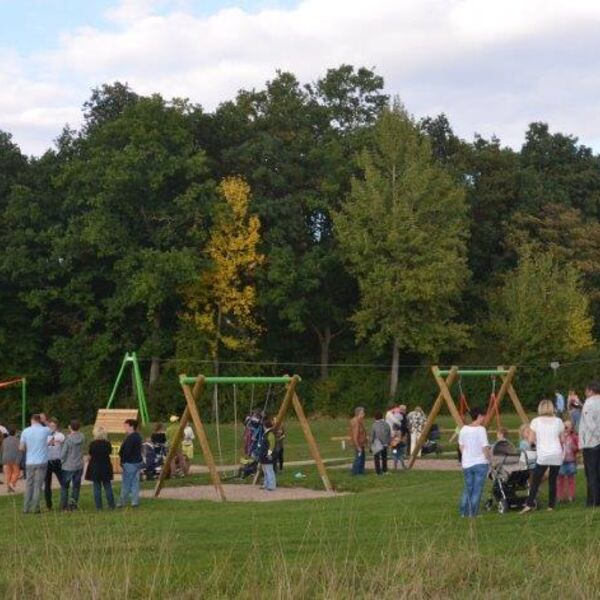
221,302
403,233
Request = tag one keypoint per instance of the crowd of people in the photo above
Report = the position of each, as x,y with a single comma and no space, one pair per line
396,432
562,430
556,436
42,453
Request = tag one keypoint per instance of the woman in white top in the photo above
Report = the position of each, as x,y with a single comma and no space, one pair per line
547,433
475,458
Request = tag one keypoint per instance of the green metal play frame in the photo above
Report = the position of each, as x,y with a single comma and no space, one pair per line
22,381
131,358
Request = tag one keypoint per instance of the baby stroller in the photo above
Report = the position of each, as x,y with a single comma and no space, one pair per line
432,445
153,458
510,478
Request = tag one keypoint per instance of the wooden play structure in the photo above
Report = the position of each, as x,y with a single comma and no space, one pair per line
19,381
138,386
192,395
446,378
112,420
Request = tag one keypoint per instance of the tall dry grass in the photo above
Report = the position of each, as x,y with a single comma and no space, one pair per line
151,565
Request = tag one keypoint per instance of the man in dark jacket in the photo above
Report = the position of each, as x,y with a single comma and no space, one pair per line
131,463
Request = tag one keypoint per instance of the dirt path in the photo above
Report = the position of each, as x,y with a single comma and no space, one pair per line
241,493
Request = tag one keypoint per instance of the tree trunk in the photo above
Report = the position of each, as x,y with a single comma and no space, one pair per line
155,364
395,369
325,343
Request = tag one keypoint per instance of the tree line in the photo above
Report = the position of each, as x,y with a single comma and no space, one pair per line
294,227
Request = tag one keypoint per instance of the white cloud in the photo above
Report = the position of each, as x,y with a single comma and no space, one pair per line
492,65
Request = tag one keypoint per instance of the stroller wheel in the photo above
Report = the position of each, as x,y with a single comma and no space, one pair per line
502,506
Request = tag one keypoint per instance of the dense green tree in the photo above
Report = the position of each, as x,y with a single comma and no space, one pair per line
138,191
295,146
402,231
541,312
555,168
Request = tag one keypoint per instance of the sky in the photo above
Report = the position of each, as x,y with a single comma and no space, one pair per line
493,66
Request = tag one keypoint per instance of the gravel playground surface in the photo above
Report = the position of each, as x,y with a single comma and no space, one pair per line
240,493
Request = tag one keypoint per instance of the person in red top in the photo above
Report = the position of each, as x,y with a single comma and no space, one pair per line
566,475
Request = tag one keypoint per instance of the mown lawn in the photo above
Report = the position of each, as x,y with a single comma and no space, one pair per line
394,536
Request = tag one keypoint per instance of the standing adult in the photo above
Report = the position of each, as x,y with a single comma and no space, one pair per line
72,466
475,459
55,441
381,436
589,441
279,432
130,453
546,431
99,470
267,446
358,435
34,445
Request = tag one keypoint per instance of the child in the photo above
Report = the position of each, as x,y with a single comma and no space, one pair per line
398,445
527,449
72,467
99,470
566,475
187,447
11,458
267,445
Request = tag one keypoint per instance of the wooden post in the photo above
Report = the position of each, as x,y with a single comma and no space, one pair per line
191,398
312,443
443,395
175,444
512,394
289,395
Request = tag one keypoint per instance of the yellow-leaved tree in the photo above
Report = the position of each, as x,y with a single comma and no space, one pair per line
221,303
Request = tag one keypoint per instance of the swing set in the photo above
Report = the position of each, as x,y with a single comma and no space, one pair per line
138,386
22,381
192,390
445,379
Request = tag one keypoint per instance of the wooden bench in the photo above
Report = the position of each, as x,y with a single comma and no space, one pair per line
341,438
112,419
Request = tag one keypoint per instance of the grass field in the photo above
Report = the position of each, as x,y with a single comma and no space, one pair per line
393,537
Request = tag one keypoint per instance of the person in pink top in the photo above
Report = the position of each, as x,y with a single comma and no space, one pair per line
568,469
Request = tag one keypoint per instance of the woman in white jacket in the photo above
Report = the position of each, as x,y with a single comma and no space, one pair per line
546,431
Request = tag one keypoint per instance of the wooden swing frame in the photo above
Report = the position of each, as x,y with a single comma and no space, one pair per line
192,395
446,378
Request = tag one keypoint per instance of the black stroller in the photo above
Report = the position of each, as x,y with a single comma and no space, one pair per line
153,456
432,445
510,478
